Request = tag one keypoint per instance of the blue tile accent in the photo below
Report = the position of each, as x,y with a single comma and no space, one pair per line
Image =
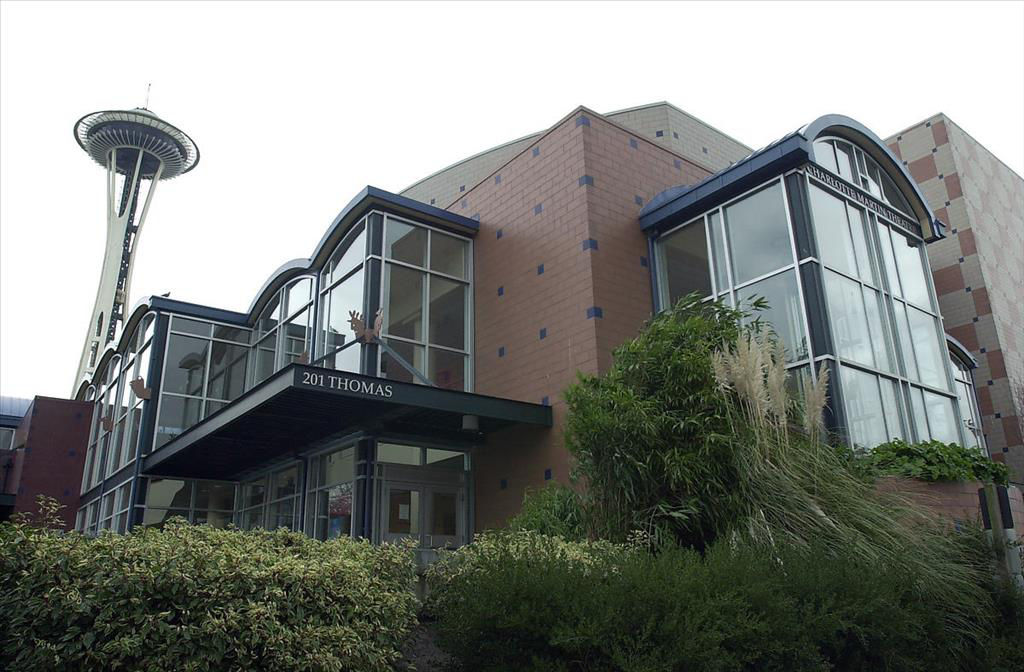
501,351
500,233
998,415
537,209
632,143
947,204
462,188
644,262
586,180
983,349
679,164
594,311
547,474
961,260
497,179
675,135
540,269
704,149
659,134
941,176
432,201
501,291
545,401
638,200
991,383
582,121
503,484
967,289
536,151
589,244
954,230
974,319
934,149
543,333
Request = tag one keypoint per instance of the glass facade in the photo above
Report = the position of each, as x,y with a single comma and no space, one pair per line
426,301
880,327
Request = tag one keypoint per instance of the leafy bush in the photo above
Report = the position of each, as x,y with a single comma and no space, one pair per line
518,600
190,597
553,510
933,461
693,436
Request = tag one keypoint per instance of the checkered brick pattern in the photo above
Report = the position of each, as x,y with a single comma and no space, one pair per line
979,268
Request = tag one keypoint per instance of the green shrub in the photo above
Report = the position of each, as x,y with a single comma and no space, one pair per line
933,461
553,510
190,597
518,600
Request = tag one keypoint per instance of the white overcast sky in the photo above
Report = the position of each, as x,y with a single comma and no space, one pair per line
295,107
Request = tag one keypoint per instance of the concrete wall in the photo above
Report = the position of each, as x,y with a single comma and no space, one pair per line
978,269
561,278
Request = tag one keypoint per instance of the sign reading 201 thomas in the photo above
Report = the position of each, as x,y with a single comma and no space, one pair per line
346,384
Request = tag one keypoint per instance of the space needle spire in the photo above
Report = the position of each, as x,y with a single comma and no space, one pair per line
138,149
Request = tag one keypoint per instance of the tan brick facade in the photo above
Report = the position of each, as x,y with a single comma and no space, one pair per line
979,268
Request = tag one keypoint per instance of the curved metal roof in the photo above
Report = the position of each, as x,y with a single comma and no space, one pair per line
100,132
677,204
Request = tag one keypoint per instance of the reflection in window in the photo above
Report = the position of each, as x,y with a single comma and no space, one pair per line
968,403
404,297
331,501
684,262
426,315
758,234
783,314
871,419
856,321
931,356
911,268
406,243
941,418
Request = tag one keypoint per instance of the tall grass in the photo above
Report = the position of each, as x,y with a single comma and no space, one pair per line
692,437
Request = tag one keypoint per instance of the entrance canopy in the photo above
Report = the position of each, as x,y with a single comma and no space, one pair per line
301,405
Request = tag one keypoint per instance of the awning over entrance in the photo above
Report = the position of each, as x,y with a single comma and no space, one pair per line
301,405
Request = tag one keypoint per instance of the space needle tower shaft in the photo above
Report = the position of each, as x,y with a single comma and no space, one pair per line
138,149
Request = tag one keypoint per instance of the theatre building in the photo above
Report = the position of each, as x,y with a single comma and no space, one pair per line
495,282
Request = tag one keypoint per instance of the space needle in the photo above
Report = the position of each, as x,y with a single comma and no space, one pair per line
138,149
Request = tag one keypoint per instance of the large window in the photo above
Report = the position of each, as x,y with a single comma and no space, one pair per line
200,502
968,402
284,331
426,294
854,166
740,253
342,284
204,369
272,501
329,505
884,328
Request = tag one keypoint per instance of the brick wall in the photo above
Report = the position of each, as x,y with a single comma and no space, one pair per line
52,440
560,281
953,501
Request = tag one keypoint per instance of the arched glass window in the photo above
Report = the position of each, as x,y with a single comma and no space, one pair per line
853,165
99,325
341,292
968,400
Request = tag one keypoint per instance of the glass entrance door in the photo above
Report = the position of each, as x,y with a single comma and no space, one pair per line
432,515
